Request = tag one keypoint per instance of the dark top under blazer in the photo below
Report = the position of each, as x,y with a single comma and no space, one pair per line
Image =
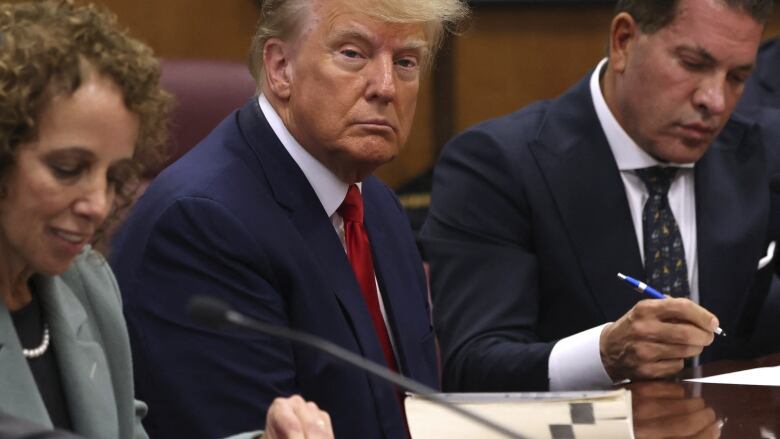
83,310
237,219
530,224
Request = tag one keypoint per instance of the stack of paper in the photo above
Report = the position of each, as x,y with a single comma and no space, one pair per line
762,376
553,415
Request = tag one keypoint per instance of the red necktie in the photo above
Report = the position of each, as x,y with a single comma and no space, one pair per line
359,254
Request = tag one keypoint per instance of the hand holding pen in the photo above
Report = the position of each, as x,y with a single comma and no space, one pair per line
644,288
654,337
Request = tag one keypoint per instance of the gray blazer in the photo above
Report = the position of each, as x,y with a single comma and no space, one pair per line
84,312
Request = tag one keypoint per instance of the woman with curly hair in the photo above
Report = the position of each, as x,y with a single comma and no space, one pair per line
81,114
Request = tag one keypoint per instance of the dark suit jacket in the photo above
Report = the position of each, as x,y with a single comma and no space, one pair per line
237,219
763,87
529,225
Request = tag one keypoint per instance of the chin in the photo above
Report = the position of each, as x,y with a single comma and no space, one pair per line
374,154
682,153
54,268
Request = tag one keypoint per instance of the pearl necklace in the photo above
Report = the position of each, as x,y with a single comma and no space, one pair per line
40,350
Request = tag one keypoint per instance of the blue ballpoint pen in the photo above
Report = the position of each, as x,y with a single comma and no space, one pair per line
642,287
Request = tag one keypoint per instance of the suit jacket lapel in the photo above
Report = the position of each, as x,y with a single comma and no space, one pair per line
82,362
395,294
582,176
19,394
292,191
732,214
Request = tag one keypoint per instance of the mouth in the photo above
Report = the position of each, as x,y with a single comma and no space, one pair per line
73,238
698,131
380,124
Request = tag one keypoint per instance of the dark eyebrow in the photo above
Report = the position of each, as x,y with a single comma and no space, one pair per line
698,51
73,151
79,153
350,34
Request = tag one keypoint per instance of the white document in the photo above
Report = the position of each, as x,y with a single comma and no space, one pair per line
761,376
548,415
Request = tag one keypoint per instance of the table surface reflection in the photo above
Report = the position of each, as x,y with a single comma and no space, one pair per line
680,409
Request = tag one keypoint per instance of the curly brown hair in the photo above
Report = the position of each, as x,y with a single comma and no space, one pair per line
47,48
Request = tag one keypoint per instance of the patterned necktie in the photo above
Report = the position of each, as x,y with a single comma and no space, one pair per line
665,265
359,254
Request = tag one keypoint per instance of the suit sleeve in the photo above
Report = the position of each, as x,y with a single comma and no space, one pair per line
484,268
201,382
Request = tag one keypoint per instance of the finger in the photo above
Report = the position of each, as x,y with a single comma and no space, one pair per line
683,310
643,323
281,420
649,352
315,422
712,431
657,369
326,425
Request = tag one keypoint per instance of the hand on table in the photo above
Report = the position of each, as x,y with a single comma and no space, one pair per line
294,418
654,337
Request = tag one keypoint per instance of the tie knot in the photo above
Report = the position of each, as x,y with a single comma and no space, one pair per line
351,208
657,179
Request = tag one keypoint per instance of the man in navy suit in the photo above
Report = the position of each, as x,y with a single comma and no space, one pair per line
263,214
533,214
763,88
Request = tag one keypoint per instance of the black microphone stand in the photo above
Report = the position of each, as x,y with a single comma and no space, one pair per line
215,313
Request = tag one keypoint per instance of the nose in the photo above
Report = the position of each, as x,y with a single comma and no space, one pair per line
381,79
710,97
95,200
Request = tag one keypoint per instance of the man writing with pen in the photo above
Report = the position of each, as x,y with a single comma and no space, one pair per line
641,169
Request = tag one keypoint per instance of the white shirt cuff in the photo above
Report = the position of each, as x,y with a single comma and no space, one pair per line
575,362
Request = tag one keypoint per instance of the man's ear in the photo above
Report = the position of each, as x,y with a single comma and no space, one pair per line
277,57
623,34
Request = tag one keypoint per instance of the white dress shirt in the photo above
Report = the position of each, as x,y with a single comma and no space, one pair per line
575,361
330,190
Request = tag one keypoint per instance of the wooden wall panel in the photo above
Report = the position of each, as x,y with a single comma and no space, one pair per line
514,55
190,28
509,57
201,29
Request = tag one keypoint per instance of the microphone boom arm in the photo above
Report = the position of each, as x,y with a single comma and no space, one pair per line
423,391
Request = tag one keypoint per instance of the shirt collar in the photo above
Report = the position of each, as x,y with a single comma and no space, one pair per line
628,155
330,190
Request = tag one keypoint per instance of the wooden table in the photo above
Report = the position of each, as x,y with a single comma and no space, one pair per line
679,409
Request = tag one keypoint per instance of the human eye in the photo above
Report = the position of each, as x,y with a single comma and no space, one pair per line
407,62
693,64
66,169
739,77
68,164
350,53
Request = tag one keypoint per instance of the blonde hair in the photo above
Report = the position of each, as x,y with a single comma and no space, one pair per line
284,18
